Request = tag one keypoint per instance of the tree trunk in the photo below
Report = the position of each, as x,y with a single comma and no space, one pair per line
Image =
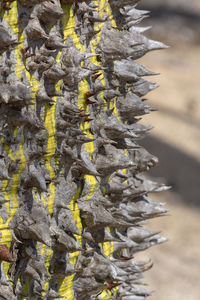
73,194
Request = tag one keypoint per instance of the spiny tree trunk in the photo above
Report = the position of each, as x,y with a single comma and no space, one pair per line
73,195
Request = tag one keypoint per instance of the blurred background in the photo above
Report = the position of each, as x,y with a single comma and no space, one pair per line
175,140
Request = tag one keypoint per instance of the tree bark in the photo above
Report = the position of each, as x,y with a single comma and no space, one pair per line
73,195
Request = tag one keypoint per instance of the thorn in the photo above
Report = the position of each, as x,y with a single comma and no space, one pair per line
25,52
125,258
89,94
146,268
110,286
88,101
27,55
27,48
95,76
71,1
83,115
22,50
87,120
6,7
15,238
5,254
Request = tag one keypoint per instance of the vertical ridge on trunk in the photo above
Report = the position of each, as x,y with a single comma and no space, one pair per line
73,195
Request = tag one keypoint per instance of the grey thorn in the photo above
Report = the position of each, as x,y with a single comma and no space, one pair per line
34,30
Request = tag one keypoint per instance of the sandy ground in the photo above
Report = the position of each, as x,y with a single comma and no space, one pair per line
178,99
176,141
175,274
